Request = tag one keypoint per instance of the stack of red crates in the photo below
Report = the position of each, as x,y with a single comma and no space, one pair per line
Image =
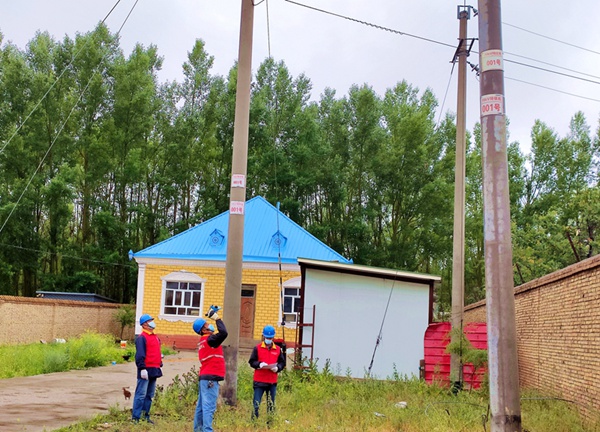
437,361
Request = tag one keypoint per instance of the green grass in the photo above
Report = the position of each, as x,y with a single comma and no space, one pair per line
88,350
322,402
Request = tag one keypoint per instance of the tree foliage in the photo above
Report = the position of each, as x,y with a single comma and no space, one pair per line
113,160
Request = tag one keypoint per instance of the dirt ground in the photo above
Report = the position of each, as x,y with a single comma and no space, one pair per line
47,402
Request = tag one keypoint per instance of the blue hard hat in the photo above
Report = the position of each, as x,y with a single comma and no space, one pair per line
145,318
269,331
198,324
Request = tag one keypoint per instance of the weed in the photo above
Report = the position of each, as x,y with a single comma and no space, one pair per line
88,350
313,401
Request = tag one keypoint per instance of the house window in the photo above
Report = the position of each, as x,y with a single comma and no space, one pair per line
182,296
291,304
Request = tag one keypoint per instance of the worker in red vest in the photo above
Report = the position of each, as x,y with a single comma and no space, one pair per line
268,359
148,360
212,368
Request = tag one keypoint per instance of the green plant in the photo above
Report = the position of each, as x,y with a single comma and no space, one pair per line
125,316
327,403
467,353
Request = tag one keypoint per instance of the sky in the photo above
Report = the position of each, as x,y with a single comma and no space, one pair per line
337,53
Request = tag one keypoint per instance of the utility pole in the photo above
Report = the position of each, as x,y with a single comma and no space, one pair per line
237,197
502,335
458,239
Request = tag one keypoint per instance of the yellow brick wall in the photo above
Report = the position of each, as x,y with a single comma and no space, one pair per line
26,320
267,300
558,333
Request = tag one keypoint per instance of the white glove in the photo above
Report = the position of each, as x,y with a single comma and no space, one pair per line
214,316
262,365
144,374
275,369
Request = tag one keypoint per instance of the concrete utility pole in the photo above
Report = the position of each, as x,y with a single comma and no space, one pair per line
235,237
458,239
502,334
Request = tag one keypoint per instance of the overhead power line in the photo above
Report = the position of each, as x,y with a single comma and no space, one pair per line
445,94
452,46
551,38
58,79
371,24
553,89
63,124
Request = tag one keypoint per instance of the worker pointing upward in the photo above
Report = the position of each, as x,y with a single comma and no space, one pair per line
212,368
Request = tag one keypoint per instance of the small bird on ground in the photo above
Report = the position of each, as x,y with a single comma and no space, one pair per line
126,393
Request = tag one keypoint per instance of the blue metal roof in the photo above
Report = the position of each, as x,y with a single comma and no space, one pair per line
208,240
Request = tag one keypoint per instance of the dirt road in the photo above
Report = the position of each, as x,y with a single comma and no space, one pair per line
47,402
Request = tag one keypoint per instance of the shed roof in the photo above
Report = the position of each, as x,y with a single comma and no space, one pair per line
87,297
369,271
262,239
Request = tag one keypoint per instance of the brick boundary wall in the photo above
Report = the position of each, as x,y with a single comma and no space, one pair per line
558,333
27,320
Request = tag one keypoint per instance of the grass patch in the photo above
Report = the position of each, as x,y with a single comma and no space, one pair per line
321,402
88,350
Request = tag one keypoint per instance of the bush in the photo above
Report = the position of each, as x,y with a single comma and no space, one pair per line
88,350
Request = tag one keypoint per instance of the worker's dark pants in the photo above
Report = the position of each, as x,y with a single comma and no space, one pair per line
259,390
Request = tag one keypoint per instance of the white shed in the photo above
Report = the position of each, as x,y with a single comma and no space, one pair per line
351,305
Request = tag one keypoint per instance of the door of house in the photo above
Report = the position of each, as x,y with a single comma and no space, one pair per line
247,311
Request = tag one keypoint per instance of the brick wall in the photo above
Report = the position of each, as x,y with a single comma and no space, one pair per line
27,320
558,333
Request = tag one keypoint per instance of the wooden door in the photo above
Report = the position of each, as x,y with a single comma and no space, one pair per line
247,311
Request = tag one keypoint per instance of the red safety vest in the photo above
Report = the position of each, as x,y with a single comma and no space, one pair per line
212,361
153,355
269,356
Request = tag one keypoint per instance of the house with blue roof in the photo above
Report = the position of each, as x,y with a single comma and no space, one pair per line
179,278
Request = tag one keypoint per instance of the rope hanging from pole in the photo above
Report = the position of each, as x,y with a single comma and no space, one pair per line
379,337
281,293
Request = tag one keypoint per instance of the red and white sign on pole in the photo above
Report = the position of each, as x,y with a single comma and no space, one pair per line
238,181
492,104
236,207
491,60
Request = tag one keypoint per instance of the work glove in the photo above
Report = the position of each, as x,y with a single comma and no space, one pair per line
144,374
212,312
262,365
275,369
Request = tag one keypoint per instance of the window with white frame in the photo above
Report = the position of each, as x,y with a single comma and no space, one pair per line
182,295
291,301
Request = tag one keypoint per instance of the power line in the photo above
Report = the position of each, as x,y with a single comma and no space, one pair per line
549,64
57,80
268,29
68,256
551,38
550,88
448,45
551,71
445,94
63,124
371,24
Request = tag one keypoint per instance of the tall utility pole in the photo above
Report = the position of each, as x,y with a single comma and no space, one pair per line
235,237
502,335
458,253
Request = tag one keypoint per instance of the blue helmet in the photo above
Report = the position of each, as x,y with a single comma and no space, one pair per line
198,324
269,331
145,318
